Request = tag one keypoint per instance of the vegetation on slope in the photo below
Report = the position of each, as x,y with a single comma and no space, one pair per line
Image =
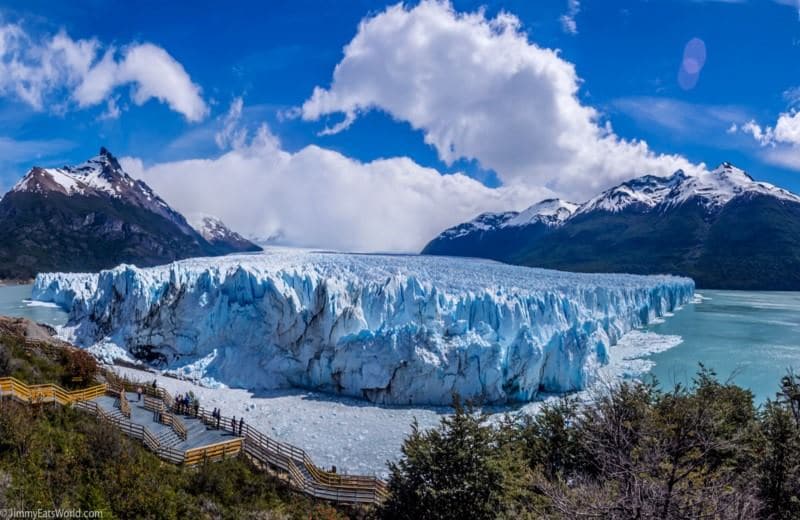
29,352
55,458
634,452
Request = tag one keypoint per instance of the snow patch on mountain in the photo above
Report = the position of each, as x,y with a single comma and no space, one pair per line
391,329
94,175
551,212
211,228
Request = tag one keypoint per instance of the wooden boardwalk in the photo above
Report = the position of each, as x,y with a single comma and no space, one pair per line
192,439
198,434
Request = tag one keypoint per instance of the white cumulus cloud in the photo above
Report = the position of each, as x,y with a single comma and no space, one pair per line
56,71
479,89
781,142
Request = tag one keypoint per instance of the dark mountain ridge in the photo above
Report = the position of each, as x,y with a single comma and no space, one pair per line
722,228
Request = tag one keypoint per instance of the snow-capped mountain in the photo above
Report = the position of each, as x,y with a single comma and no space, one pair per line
713,189
100,176
721,227
91,216
390,329
218,234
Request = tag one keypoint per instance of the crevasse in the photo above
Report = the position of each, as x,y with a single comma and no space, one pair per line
390,329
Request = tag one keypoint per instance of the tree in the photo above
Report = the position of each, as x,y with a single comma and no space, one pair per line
80,368
551,440
686,453
450,472
779,465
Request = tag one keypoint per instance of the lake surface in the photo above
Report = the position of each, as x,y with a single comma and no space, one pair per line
14,302
753,337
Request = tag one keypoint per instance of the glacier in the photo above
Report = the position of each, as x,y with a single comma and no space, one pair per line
392,329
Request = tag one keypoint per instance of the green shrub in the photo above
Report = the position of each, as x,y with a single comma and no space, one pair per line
633,451
452,471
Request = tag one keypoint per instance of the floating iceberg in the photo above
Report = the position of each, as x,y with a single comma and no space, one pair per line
390,329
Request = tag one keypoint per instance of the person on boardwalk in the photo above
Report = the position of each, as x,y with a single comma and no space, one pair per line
233,425
196,407
219,415
241,425
138,393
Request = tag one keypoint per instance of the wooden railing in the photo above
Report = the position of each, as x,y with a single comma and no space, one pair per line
221,450
308,476
150,440
48,393
154,404
134,430
155,400
304,475
174,422
82,399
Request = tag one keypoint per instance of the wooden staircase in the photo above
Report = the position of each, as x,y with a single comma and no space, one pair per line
168,439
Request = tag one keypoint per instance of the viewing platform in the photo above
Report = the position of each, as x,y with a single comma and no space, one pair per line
193,435
198,434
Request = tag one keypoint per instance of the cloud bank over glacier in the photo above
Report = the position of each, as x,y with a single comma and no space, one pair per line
321,198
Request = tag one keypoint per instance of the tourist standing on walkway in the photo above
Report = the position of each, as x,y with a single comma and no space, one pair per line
233,425
138,393
241,425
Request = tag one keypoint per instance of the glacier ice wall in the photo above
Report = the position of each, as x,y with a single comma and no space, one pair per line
391,329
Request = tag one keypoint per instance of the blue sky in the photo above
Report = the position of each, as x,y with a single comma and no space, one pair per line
626,54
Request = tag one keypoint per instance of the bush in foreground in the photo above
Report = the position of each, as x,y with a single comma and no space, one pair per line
634,451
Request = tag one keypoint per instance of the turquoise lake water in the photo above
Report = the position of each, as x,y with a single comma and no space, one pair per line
752,337
14,302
